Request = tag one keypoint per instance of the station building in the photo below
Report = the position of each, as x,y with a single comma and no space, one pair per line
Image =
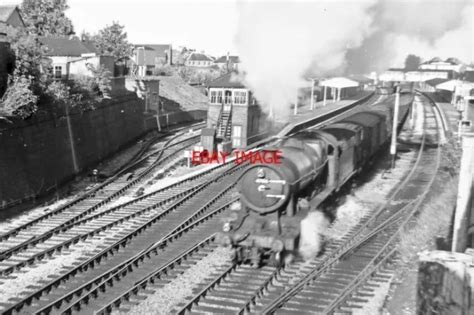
234,118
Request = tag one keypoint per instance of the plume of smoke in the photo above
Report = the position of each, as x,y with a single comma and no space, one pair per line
310,238
279,42
428,28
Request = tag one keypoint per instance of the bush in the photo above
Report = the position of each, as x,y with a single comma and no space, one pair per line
100,83
19,99
163,70
451,156
82,92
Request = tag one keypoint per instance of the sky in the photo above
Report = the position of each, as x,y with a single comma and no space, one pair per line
214,26
203,25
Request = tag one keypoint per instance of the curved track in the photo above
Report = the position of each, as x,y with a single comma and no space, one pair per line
45,226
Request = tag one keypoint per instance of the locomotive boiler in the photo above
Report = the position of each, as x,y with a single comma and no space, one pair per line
274,198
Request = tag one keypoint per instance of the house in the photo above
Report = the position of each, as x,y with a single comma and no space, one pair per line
72,57
234,118
147,57
11,16
199,60
228,62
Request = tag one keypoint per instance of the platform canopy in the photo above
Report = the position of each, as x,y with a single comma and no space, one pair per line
458,84
339,82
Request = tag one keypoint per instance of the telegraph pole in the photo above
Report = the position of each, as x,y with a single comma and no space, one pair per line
312,94
393,145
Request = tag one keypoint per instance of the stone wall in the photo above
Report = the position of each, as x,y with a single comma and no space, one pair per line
445,283
40,153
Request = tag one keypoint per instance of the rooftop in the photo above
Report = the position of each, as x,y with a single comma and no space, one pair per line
58,46
418,70
160,48
452,61
436,81
340,82
223,59
229,80
6,11
199,57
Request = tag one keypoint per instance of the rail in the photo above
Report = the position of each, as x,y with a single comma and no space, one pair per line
356,242
77,218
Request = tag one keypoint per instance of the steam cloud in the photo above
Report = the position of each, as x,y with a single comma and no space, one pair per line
279,43
310,238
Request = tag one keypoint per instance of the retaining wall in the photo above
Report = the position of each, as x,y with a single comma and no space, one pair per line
40,153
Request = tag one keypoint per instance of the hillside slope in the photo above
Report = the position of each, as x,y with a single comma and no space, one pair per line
173,90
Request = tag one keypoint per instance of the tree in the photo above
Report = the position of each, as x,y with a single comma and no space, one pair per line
26,80
412,62
47,17
112,40
19,99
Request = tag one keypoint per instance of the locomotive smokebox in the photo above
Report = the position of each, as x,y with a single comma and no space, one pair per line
266,188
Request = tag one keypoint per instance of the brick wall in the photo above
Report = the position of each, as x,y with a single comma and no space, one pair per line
37,154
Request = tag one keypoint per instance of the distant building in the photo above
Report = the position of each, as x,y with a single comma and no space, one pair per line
234,117
147,57
199,60
450,64
11,16
420,75
228,62
72,57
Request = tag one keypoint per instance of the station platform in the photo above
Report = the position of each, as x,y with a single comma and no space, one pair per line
306,117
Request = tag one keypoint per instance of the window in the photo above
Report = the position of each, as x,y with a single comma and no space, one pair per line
240,97
216,97
58,72
236,136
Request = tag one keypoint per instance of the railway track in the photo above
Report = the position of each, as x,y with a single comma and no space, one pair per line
325,284
43,227
140,234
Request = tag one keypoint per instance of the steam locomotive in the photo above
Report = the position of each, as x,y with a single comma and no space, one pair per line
274,198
